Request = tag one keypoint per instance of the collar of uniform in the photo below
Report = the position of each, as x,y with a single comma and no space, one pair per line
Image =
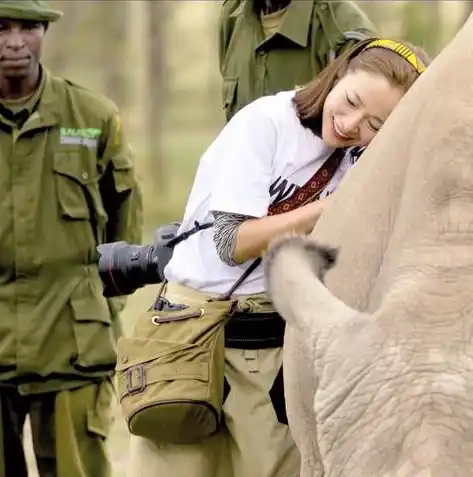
41,109
17,119
30,106
296,23
49,103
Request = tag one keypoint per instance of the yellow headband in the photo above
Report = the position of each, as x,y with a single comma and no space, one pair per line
401,50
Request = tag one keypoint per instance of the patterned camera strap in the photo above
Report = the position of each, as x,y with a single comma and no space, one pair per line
307,193
312,189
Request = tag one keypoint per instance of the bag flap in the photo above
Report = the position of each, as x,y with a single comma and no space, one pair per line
133,351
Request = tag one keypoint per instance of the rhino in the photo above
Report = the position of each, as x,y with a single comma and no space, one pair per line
378,300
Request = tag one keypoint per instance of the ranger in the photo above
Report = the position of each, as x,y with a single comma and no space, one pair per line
67,183
267,46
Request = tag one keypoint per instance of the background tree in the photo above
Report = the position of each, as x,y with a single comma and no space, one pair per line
158,15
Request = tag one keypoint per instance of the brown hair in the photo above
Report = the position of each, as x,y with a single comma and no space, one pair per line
310,99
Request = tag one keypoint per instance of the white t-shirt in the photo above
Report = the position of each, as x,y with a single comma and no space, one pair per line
261,156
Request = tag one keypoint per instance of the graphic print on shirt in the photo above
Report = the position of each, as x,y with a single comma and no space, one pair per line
281,189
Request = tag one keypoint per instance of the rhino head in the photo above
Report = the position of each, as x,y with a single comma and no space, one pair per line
390,326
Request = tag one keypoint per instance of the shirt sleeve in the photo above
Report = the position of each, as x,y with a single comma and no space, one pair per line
225,229
247,147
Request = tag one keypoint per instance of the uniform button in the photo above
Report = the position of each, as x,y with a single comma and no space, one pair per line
85,175
323,7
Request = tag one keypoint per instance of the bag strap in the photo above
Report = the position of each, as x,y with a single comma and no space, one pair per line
307,193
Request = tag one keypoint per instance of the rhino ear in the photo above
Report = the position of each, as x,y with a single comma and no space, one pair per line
294,267
322,257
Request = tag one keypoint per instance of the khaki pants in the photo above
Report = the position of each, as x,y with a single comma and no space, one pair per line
254,440
68,429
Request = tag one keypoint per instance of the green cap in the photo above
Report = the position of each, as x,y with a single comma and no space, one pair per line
35,10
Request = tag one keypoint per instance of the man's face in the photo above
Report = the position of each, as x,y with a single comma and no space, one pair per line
21,42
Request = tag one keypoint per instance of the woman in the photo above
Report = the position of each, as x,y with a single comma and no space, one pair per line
278,153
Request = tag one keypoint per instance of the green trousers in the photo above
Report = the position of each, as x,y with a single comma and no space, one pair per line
69,429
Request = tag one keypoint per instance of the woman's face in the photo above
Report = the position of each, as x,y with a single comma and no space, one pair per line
356,108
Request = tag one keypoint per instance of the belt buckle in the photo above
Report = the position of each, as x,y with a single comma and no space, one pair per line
141,385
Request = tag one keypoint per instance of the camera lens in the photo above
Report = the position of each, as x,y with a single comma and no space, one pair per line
123,267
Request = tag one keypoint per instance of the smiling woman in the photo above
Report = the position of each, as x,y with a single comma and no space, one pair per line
356,93
345,106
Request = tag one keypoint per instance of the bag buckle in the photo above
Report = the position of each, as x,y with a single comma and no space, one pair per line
141,384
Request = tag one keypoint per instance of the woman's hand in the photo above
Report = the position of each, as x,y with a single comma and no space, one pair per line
254,235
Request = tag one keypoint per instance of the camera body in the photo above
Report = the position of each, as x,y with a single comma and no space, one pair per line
124,267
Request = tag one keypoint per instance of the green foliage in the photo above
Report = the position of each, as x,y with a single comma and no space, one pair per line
181,152
421,25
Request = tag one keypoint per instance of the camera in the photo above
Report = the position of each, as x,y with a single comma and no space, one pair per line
124,267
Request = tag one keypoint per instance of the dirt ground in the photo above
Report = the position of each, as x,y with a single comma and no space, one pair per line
118,441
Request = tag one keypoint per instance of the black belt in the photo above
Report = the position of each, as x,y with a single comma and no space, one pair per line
244,330
254,331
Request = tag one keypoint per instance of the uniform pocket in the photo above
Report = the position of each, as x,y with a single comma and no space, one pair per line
78,196
71,180
93,331
100,414
122,173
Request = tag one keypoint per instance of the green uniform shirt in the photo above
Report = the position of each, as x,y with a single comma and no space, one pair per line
67,183
252,67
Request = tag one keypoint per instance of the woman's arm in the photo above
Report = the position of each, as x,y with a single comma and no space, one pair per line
254,235
225,230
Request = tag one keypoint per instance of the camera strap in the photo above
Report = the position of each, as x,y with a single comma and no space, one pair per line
185,235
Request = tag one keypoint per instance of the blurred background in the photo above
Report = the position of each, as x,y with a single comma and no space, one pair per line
158,61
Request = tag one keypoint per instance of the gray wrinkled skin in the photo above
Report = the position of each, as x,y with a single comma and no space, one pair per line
379,355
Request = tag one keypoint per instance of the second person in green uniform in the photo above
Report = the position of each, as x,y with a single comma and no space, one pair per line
267,46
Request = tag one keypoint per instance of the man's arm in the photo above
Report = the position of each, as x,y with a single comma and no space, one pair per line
225,28
119,188
120,192
352,23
